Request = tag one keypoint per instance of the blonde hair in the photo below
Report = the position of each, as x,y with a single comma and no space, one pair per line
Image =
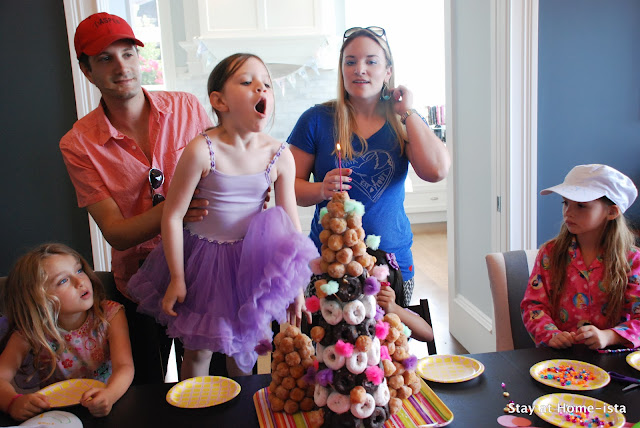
345,121
33,311
617,241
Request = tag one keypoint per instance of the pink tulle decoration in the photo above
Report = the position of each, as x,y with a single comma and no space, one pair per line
381,272
371,286
344,348
313,304
384,353
409,363
263,347
374,374
382,329
314,265
325,377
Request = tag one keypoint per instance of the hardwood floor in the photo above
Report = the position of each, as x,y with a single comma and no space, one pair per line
431,282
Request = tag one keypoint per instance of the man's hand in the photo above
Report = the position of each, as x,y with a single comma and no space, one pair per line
197,208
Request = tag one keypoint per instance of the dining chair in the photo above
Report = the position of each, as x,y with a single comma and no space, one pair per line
508,276
422,309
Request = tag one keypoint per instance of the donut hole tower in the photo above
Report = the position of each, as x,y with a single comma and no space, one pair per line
351,388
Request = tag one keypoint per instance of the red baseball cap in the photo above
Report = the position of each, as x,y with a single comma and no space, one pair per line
100,30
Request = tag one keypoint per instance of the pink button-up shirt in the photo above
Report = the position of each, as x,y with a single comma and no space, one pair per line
104,163
584,299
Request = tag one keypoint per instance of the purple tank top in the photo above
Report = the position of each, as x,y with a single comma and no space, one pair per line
233,201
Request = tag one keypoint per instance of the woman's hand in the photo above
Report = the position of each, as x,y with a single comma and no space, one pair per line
331,182
402,99
28,405
98,401
564,339
176,292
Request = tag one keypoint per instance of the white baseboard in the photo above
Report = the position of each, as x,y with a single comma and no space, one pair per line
471,327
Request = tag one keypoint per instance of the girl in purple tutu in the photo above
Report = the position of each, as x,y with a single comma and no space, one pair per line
217,284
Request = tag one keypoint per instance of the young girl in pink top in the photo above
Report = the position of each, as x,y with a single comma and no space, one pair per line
57,308
228,276
585,285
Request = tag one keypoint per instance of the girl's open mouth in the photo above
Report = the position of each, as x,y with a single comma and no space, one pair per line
261,107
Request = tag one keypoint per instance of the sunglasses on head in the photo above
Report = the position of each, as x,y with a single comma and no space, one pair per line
378,31
156,178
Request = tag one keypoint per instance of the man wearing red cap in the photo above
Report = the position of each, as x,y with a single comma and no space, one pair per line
121,156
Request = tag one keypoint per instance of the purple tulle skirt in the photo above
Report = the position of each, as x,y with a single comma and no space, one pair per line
234,290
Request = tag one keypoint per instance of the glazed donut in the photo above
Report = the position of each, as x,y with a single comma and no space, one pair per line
286,345
349,237
324,221
345,332
302,383
324,236
350,289
331,311
278,337
338,403
341,196
363,343
360,232
288,383
402,340
335,243
292,331
395,404
344,381
317,334
353,267
306,405
292,359
301,341
282,369
367,327
392,336
335,208
365,260
291,407
393,320
297,371
389,368
391,347
297,394
338,225
354,221
344,256
396,381
357,362
277,356
282,393
306,352
359,248
277,404
401,354
377,418
319,352
363,410
373,354
354,312
328,255
358,395
382,396
336,270
404,392
332,359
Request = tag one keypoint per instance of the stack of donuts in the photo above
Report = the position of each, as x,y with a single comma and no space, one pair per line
399,365
350,385
290,390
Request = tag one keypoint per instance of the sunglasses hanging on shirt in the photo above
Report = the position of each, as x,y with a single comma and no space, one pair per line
156,178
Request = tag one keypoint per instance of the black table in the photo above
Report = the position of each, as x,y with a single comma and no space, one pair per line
475,403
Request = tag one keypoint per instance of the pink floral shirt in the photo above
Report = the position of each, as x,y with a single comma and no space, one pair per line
87,355
584,300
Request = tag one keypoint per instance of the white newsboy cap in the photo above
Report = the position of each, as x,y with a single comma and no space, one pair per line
586,183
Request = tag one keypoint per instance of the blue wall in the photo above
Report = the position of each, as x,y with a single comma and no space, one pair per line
38,107
588,95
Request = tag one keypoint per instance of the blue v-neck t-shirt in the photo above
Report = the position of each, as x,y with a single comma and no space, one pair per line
378,177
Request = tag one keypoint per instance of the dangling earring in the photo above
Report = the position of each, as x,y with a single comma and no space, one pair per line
384,94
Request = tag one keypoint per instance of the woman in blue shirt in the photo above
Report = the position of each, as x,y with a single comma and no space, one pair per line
379,134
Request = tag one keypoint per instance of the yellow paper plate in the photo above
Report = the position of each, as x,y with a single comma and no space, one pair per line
634,360
449,368
601,377
68,392
202,391
554,409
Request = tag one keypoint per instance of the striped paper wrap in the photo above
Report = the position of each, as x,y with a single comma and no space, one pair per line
424,408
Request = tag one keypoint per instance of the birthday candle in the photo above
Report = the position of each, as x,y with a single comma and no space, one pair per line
339,164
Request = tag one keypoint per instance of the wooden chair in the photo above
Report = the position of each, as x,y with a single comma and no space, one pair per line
508,276
422,309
